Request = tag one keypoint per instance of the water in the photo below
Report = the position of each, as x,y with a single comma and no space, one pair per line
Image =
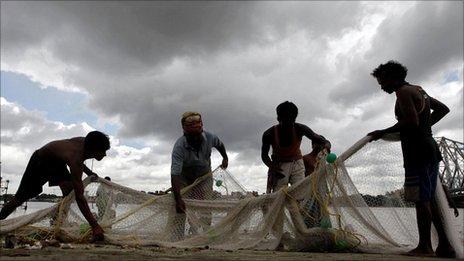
31,208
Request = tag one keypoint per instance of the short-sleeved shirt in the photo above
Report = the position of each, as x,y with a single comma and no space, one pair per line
190,163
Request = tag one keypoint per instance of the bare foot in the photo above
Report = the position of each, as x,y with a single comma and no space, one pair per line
445,251
428,252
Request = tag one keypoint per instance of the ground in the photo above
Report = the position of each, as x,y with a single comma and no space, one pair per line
110,253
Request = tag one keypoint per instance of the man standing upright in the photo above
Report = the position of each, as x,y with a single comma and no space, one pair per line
191,158
416,112
191,155
286,163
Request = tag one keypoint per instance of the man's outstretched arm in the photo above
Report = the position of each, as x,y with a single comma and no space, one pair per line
314,137
93,176
265,147
76,173
88,171
409,121
176,186
177,159
222,150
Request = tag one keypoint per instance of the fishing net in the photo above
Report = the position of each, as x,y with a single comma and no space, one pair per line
354,204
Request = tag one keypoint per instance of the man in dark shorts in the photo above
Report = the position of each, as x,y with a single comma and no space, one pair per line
416,112
49,164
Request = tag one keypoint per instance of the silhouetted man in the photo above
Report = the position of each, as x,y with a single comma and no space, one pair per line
286,163
416,112
48,164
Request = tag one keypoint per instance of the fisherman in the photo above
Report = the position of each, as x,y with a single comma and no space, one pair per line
191,159
416,113
49,164
286,163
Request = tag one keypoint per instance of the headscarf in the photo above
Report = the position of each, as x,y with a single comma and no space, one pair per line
191,122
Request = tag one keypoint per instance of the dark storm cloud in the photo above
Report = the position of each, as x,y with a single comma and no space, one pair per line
116,37
147,62
121,49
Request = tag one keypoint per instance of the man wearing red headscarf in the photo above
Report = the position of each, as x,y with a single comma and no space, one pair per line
191,156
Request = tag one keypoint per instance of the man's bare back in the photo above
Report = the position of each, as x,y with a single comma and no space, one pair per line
412,93
70,150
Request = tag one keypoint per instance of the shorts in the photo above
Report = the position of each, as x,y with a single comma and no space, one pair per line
38,172
294,172
421,182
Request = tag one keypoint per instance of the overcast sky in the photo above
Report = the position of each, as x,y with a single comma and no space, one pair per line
131,68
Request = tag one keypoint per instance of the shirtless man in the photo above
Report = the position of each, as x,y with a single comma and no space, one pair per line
48,164
286,163
416,112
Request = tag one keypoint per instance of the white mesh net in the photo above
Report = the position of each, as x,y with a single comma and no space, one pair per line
355,204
